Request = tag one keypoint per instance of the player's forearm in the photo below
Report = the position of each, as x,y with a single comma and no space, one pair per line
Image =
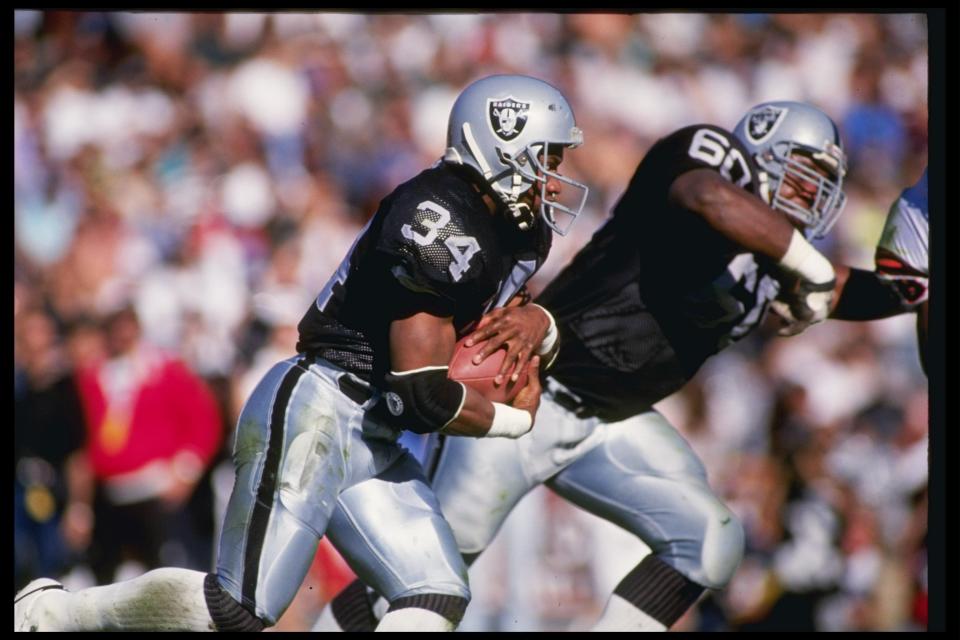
865,295
423,399
475,416
735,213
485,419
750,223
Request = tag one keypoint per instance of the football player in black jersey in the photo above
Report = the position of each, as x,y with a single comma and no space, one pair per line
457,240
694,252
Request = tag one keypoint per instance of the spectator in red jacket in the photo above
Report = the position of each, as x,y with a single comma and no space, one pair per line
154,428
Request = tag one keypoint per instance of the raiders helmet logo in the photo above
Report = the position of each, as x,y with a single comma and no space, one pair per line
507,117
763,122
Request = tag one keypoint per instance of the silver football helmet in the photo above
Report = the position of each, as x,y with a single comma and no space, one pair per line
505,126
772,132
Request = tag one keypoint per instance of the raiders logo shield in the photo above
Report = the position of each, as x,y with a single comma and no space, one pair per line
507,117
763,122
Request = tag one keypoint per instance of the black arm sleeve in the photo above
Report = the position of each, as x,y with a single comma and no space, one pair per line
423,400
867,296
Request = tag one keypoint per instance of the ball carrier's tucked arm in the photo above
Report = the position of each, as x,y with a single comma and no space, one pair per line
421,346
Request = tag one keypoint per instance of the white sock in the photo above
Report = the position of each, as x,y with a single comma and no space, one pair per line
327,621
160,600
414,619
622,615
380,606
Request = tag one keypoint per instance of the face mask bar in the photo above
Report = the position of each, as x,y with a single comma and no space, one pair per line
573,194
570,202
829,201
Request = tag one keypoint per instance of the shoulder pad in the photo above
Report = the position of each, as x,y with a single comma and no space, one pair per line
706,146
438,239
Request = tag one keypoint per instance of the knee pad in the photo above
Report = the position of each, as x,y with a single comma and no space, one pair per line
227,613
722,551
450,607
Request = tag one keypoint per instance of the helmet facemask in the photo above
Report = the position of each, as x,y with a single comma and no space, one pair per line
795,139
529,168
820,216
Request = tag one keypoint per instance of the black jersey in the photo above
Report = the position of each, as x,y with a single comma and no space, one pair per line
432,246
657,290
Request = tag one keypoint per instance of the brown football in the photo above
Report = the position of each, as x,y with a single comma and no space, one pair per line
480,377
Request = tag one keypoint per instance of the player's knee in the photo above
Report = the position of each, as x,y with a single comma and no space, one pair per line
722,550
227,613
450,606
710,554
472,543
472,532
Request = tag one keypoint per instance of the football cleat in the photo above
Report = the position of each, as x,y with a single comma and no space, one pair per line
25,601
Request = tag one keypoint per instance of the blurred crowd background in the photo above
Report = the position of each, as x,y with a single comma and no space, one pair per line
186,183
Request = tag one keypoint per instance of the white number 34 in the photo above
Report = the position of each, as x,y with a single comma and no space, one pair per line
462,248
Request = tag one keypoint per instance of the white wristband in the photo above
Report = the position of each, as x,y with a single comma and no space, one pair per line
804,260
552,334
509,422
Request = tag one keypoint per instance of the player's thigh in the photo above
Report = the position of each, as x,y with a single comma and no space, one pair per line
391,532
643,476
290,463
264,551
478,481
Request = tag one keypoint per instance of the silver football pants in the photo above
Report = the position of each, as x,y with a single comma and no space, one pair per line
638,473
300,443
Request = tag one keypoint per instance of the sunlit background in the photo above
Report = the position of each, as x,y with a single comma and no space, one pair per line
210,171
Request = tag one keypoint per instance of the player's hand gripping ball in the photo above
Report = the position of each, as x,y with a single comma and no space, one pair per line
480,376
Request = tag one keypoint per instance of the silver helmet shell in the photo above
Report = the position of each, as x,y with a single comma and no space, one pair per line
504,127
772,132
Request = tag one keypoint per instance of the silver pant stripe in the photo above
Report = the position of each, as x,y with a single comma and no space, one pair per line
268,481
